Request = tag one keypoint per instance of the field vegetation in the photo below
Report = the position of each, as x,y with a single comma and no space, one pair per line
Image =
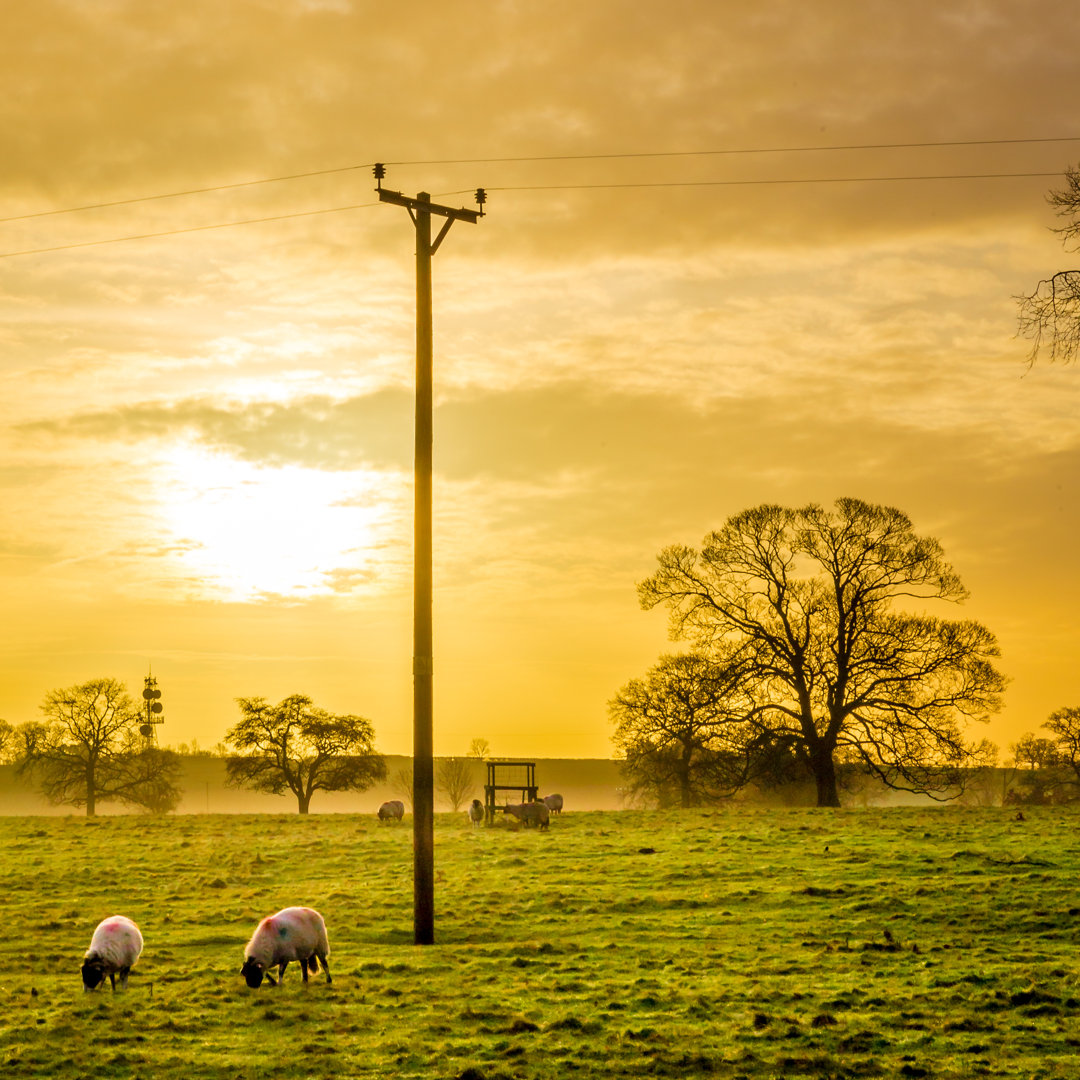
735,943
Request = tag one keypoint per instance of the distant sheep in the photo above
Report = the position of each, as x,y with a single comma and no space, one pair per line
530,813
553,803
394,810
114,949
476,812
295,933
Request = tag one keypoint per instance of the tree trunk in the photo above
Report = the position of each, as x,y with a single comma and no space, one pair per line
824,769
303,802
91,794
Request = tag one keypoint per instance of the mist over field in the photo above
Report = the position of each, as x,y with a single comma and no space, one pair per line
585,784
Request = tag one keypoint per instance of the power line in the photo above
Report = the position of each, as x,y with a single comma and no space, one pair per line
190,229
752,183
544,187
740,150
630,155
179,194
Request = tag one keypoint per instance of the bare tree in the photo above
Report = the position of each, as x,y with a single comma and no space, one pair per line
294,746
1031,752
1065,725
7,742
807,602
89,751
681,731
1050,316
454,778
401,783
479,749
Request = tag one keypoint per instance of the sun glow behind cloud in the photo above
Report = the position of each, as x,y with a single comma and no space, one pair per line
247,531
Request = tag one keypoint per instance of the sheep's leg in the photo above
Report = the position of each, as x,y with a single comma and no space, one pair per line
281,970
325,965
112,979
303,968
270,979
124,973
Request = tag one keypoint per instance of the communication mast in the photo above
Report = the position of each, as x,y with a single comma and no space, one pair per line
151,711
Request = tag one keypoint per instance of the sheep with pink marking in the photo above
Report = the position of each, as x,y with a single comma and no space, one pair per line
294,933
114,949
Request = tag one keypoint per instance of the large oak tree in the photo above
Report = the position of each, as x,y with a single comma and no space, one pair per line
294,746
823,610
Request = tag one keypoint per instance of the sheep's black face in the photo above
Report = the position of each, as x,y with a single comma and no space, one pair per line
253,973
93,974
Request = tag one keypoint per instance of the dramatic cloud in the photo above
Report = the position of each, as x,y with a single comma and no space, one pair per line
207,436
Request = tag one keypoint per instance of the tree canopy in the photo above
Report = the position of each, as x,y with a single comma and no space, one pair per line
807,603
295,746
89,751
681,732
1065,726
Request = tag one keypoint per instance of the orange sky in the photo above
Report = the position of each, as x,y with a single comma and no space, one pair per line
206,437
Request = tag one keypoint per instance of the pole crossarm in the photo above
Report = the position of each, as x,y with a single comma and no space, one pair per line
457,213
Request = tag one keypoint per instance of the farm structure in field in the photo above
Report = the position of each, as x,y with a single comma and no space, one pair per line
519,776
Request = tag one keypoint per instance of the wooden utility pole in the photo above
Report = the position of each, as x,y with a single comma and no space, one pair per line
420,210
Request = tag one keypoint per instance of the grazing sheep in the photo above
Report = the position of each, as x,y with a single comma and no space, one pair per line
529,813
476,812
394,810
553,803
114,949
295,933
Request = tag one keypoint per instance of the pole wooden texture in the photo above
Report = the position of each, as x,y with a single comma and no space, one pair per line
423,763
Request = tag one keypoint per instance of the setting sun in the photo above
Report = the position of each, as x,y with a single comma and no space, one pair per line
245,531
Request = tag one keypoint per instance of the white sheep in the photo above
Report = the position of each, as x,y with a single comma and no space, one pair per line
114,949
294,933
554,803
530,813
476,812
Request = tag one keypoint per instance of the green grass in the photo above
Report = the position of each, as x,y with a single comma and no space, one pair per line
743,943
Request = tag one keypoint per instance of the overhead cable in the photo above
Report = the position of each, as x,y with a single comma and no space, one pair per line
629,155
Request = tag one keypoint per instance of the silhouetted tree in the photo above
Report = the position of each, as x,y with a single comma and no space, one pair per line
1050,316
294,746
479,749
1065,725
1031,752
454,778
7,741
681,732
89,751
1037,776
805,602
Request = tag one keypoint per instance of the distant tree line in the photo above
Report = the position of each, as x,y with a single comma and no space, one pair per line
88,749
811,661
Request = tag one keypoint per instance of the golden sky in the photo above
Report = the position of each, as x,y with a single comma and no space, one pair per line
206,437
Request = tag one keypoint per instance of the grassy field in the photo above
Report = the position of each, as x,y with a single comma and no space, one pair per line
807,943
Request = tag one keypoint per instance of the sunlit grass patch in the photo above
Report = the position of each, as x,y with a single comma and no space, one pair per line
743,943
